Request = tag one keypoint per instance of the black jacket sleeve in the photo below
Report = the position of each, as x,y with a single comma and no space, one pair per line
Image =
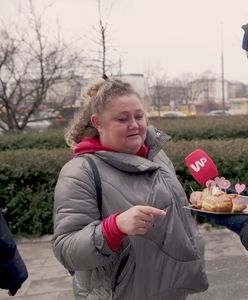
13,271
244,236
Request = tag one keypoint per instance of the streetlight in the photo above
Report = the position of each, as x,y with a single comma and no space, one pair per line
222,71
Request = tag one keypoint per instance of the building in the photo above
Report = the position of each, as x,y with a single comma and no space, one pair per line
212,93
239,106
237,89
209,90
138,81
64,91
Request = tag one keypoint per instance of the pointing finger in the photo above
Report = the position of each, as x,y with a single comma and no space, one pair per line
152,210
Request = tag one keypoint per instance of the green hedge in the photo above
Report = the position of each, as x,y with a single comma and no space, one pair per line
28,177
48,139
230,157
190,128
193,128
27,180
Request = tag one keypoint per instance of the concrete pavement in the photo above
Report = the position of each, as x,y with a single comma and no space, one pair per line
226,265
47,280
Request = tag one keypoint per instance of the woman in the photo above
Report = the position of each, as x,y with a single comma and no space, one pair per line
143,245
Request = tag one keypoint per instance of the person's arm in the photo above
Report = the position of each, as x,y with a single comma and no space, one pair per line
13,271
244,236
78,242
236,223
245,39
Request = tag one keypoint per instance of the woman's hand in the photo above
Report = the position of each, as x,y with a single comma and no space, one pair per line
232,221
138,219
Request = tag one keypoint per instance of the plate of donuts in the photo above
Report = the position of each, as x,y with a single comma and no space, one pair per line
218,202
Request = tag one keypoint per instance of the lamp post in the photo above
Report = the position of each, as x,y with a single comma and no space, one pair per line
222,71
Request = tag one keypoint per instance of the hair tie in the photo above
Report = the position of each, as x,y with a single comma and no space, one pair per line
105,77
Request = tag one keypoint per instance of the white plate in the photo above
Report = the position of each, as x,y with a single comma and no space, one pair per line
244,212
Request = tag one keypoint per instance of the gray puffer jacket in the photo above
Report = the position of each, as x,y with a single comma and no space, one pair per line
165,263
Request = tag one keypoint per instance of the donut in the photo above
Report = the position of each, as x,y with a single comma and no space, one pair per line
217,201
238,204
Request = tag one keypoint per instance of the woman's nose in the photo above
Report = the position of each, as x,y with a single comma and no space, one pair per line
133,123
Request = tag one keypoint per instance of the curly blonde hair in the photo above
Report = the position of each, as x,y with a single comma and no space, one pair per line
95,98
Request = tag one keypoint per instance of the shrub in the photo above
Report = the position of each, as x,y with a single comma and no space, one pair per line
190,128
230,157
194,128
28,178
48,139
27,183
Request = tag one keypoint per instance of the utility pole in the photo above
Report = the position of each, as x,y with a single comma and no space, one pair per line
120,66
222,71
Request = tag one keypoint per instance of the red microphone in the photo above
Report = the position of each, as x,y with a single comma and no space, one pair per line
201,166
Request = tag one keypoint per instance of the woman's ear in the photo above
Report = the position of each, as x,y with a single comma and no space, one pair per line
96,122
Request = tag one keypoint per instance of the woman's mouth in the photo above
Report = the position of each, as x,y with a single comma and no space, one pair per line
133,135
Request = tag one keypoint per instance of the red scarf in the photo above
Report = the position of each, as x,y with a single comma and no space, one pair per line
91,145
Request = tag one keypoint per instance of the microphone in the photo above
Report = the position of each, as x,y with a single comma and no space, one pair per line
201,166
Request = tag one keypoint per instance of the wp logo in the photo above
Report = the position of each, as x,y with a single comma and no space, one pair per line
199,164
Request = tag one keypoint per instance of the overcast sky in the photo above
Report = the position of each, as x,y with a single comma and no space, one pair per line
179,36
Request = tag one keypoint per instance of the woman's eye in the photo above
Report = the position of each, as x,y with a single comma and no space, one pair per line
122,119
139,117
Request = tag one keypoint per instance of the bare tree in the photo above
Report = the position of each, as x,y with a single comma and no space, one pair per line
157,82
199,90
194,87
191,89
102,31
30,64
102,47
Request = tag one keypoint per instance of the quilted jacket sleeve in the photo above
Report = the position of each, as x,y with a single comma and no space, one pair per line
78,242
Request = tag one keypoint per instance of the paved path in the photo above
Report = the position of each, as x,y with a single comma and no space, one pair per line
47,278
226,265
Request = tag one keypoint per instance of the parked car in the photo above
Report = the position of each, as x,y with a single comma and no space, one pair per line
173,114
39,124
219,113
